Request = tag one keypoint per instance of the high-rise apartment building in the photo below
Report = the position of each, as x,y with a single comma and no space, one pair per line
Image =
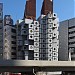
30,9
28,39
47,7
9,38
1,31
38,40
67,40
49,42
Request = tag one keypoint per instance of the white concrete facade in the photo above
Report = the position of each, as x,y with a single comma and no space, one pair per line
39,38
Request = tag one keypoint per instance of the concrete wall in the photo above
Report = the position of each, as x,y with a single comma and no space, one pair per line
63,40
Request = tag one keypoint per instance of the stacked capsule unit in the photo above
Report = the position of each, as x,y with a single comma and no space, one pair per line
31,41
43,52
52,42
1,30
24,33
27,33
36,40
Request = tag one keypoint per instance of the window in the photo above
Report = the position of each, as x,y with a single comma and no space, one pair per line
5,34
54,49
13,42
5,41
43,55
50,35
5,30
50,45
6,46
72,32
13,48
36,23
14,37
50,20
71,27
43,40
72,42
24,26
31,31
0,14
36,59
30,25
13,30
36,54
50,55
13,53
50,40
54,14
54,24
30,36
73,37
50,30
43,45
54,53
54,34
25,48
1,21
24,31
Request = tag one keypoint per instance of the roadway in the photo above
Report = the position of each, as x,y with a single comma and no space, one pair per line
30,65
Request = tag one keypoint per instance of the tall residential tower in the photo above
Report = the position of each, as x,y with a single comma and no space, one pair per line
9,38
38,39
1,31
